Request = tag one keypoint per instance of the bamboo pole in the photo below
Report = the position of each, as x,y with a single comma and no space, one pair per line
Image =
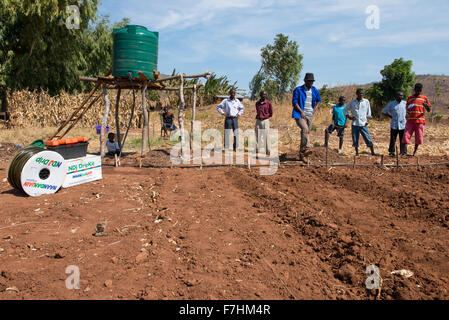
104,124
145,127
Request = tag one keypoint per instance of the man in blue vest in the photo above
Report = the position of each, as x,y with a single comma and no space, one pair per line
306,99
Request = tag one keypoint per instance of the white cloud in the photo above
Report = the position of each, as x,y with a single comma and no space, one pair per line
226,34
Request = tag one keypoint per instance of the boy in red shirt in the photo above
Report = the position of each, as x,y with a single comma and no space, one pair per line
415,117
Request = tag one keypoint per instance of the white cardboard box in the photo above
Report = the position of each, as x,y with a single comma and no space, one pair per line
82,170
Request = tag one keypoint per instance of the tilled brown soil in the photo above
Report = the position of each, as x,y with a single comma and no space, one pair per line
230,233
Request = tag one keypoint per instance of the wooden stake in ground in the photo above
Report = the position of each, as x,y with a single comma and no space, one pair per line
117,119
382,161
353,165
146,124
397,158
104,123
327,150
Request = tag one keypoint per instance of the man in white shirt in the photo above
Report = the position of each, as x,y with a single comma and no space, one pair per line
360,109
232,109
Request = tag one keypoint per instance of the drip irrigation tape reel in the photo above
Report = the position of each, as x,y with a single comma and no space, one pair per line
36,171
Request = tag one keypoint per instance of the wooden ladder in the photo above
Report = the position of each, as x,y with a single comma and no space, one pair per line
76,116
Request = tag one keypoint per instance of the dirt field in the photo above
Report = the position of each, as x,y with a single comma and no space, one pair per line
230,233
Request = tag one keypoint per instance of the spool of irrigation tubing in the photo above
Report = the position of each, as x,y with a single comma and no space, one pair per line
36,171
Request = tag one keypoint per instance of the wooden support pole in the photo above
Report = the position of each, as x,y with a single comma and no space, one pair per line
382,161
117,119
104,124
193,116
146,126
182,76
327,151
353,165
180,118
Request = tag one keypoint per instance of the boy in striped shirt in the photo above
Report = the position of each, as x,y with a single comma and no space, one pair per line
416,121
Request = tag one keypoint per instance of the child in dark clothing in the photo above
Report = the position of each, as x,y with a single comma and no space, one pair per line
112,146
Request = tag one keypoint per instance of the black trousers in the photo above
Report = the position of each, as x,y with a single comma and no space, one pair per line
117,152
231,123
393,135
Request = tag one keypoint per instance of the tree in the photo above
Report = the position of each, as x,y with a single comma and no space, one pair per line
97,42
397,76
281,65
37,49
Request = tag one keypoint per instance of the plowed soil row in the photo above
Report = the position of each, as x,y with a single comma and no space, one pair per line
230,233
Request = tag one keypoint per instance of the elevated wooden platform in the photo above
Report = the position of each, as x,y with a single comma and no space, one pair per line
142,83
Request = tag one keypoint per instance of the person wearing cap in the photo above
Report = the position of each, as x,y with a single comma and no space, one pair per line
232,109
306,99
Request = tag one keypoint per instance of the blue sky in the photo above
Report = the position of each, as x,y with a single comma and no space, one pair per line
225,36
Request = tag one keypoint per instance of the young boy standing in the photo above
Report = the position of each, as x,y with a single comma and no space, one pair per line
168,119
416,121
339,123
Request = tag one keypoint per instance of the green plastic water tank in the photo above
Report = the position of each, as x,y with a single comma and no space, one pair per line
135,50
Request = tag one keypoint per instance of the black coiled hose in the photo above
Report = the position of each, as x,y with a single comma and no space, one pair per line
17,163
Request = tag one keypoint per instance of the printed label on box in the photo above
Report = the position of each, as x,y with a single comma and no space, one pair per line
82,170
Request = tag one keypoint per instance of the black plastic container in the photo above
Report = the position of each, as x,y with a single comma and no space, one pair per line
71,151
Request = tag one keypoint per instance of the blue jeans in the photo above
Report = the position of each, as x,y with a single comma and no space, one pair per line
170,126
356,131
231,123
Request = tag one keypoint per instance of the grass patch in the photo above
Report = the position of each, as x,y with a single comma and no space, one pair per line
154,142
